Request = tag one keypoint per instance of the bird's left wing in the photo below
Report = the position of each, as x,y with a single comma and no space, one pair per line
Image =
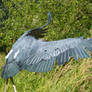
48,52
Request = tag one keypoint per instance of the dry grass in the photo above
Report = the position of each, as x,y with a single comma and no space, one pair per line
73,77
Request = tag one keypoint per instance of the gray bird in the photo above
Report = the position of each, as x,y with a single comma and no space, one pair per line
40,56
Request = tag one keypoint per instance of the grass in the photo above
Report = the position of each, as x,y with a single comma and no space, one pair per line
75,76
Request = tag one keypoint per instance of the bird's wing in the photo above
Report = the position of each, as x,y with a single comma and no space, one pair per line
37,32
48,52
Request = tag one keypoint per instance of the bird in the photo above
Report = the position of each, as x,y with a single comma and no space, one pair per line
34,55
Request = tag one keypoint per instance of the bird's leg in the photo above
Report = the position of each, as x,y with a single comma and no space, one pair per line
6,85
13,84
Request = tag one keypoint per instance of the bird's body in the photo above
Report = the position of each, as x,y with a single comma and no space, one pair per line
35,55
40,56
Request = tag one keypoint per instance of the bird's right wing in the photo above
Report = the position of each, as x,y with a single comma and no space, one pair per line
48,52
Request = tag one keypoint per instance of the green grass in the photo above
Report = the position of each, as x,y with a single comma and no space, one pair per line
75,76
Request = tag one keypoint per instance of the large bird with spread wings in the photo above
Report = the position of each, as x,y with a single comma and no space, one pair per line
40,56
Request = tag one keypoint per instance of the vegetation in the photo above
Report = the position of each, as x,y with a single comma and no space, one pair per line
73,77
70,18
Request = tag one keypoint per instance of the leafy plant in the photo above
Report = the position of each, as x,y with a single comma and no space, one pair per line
70,18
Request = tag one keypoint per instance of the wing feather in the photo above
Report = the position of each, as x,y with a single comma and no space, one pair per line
44,57
67,55
73,53
43,66
78,52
